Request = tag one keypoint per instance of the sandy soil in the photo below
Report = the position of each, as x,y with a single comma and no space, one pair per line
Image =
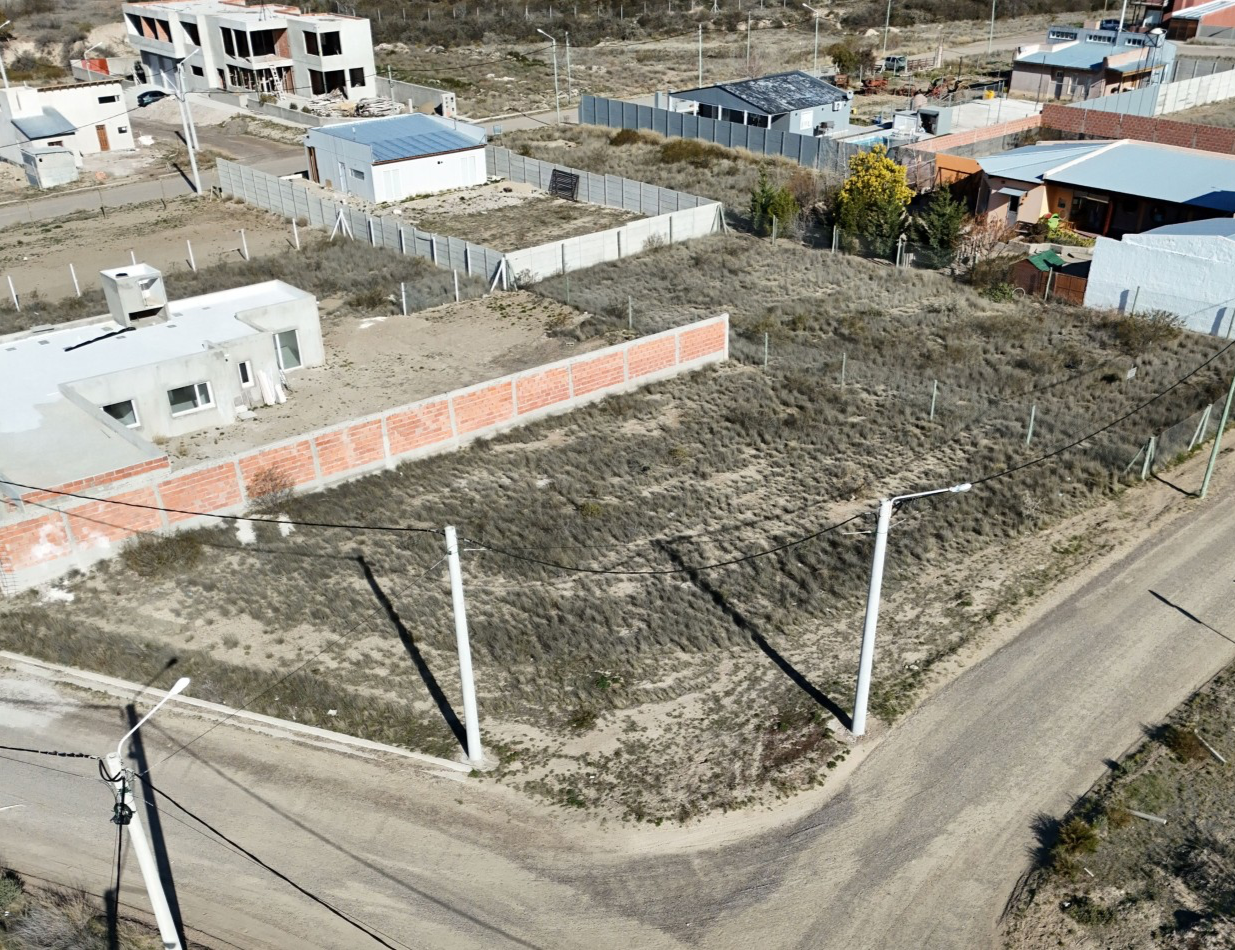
1216,113
375,363
37,256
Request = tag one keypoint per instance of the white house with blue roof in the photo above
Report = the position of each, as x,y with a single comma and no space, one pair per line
394,158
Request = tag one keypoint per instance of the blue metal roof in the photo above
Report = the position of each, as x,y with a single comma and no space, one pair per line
44,126
1031,162
1091,48
404,136
1209,227
1158,172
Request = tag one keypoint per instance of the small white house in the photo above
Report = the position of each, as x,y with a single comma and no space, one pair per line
393,158
1187,269
85,118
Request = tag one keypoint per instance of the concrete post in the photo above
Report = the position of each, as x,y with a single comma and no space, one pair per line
13,292
123,791
403,296
73,274
1213,453
133,257
866,659
474,753
456,273
934,396
244,245
192,262
1033,412
296,234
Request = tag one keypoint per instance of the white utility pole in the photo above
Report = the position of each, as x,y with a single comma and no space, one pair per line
557,98
816,15
190,136
990,37
471,721
867,658
887,23
748,43
700,55
570,88
4,75
126,815
1213,453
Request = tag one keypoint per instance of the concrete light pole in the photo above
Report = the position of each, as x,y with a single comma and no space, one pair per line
866,659
471,722
700,55
190,133
3,74
990,37
570,88
816,15
557,97
748,44
126,815
887,23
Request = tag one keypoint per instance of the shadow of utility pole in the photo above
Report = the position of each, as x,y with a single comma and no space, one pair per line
409,644
759,640
154,823
1191,616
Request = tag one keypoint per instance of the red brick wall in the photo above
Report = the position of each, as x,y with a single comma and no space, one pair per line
348,450
1112,125
483,408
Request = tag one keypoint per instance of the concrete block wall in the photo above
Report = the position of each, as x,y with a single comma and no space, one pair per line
948,143
44,535
1109,125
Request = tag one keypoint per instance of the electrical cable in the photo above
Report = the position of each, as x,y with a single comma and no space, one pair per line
370,931
339,639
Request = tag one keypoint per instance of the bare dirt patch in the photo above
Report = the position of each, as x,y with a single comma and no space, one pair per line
1215,113
37,255
376,360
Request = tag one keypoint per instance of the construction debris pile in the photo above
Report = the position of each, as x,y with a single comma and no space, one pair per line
334,103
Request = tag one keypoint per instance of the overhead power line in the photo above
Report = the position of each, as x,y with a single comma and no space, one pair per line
367,929
63,755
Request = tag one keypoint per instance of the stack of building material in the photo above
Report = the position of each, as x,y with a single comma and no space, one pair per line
325,104
371,108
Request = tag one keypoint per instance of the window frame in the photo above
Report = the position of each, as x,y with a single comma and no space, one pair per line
278,349
332,43
245,371
356,72
312,45
199,405
137,419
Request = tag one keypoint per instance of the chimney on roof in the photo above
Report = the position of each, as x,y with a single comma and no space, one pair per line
134,293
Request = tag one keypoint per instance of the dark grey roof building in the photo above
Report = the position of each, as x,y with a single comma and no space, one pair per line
787,102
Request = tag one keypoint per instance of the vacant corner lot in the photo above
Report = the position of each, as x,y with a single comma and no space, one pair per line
1148,884
667,695
1215,113
37,255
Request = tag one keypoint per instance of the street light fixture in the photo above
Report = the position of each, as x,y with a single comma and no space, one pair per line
867,658
816,14
125,815
557,98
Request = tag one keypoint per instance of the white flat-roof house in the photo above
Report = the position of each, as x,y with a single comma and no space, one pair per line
85,118
267,48
396,157
91,396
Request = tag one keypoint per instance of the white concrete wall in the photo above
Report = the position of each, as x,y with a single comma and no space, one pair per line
337,159
1193,277
588,250
395,181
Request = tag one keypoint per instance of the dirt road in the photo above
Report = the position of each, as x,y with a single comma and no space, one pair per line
918,848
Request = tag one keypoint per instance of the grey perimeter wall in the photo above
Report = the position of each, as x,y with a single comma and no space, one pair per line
675,216
823,154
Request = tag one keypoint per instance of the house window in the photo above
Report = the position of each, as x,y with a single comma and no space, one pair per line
242,44
355,77
122,130
103,100
331,45
186,399
197,71
60,143
124,412
359,175
287,346
190,31
1059,75
707,111
228,46
310,43
246,374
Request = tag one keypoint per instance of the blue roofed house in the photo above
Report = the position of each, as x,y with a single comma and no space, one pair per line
394,158
1107,188
784,102
1085,63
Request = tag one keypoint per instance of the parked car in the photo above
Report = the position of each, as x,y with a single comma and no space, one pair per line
149,96
895,64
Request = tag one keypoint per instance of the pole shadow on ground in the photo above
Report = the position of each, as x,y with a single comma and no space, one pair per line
1191,616
744,624
413,651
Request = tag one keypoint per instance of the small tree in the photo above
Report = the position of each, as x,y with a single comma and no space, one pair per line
872,202
768,204
937,230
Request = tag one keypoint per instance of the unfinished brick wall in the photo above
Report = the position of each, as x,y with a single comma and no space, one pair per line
945,143
38,544
1111,125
